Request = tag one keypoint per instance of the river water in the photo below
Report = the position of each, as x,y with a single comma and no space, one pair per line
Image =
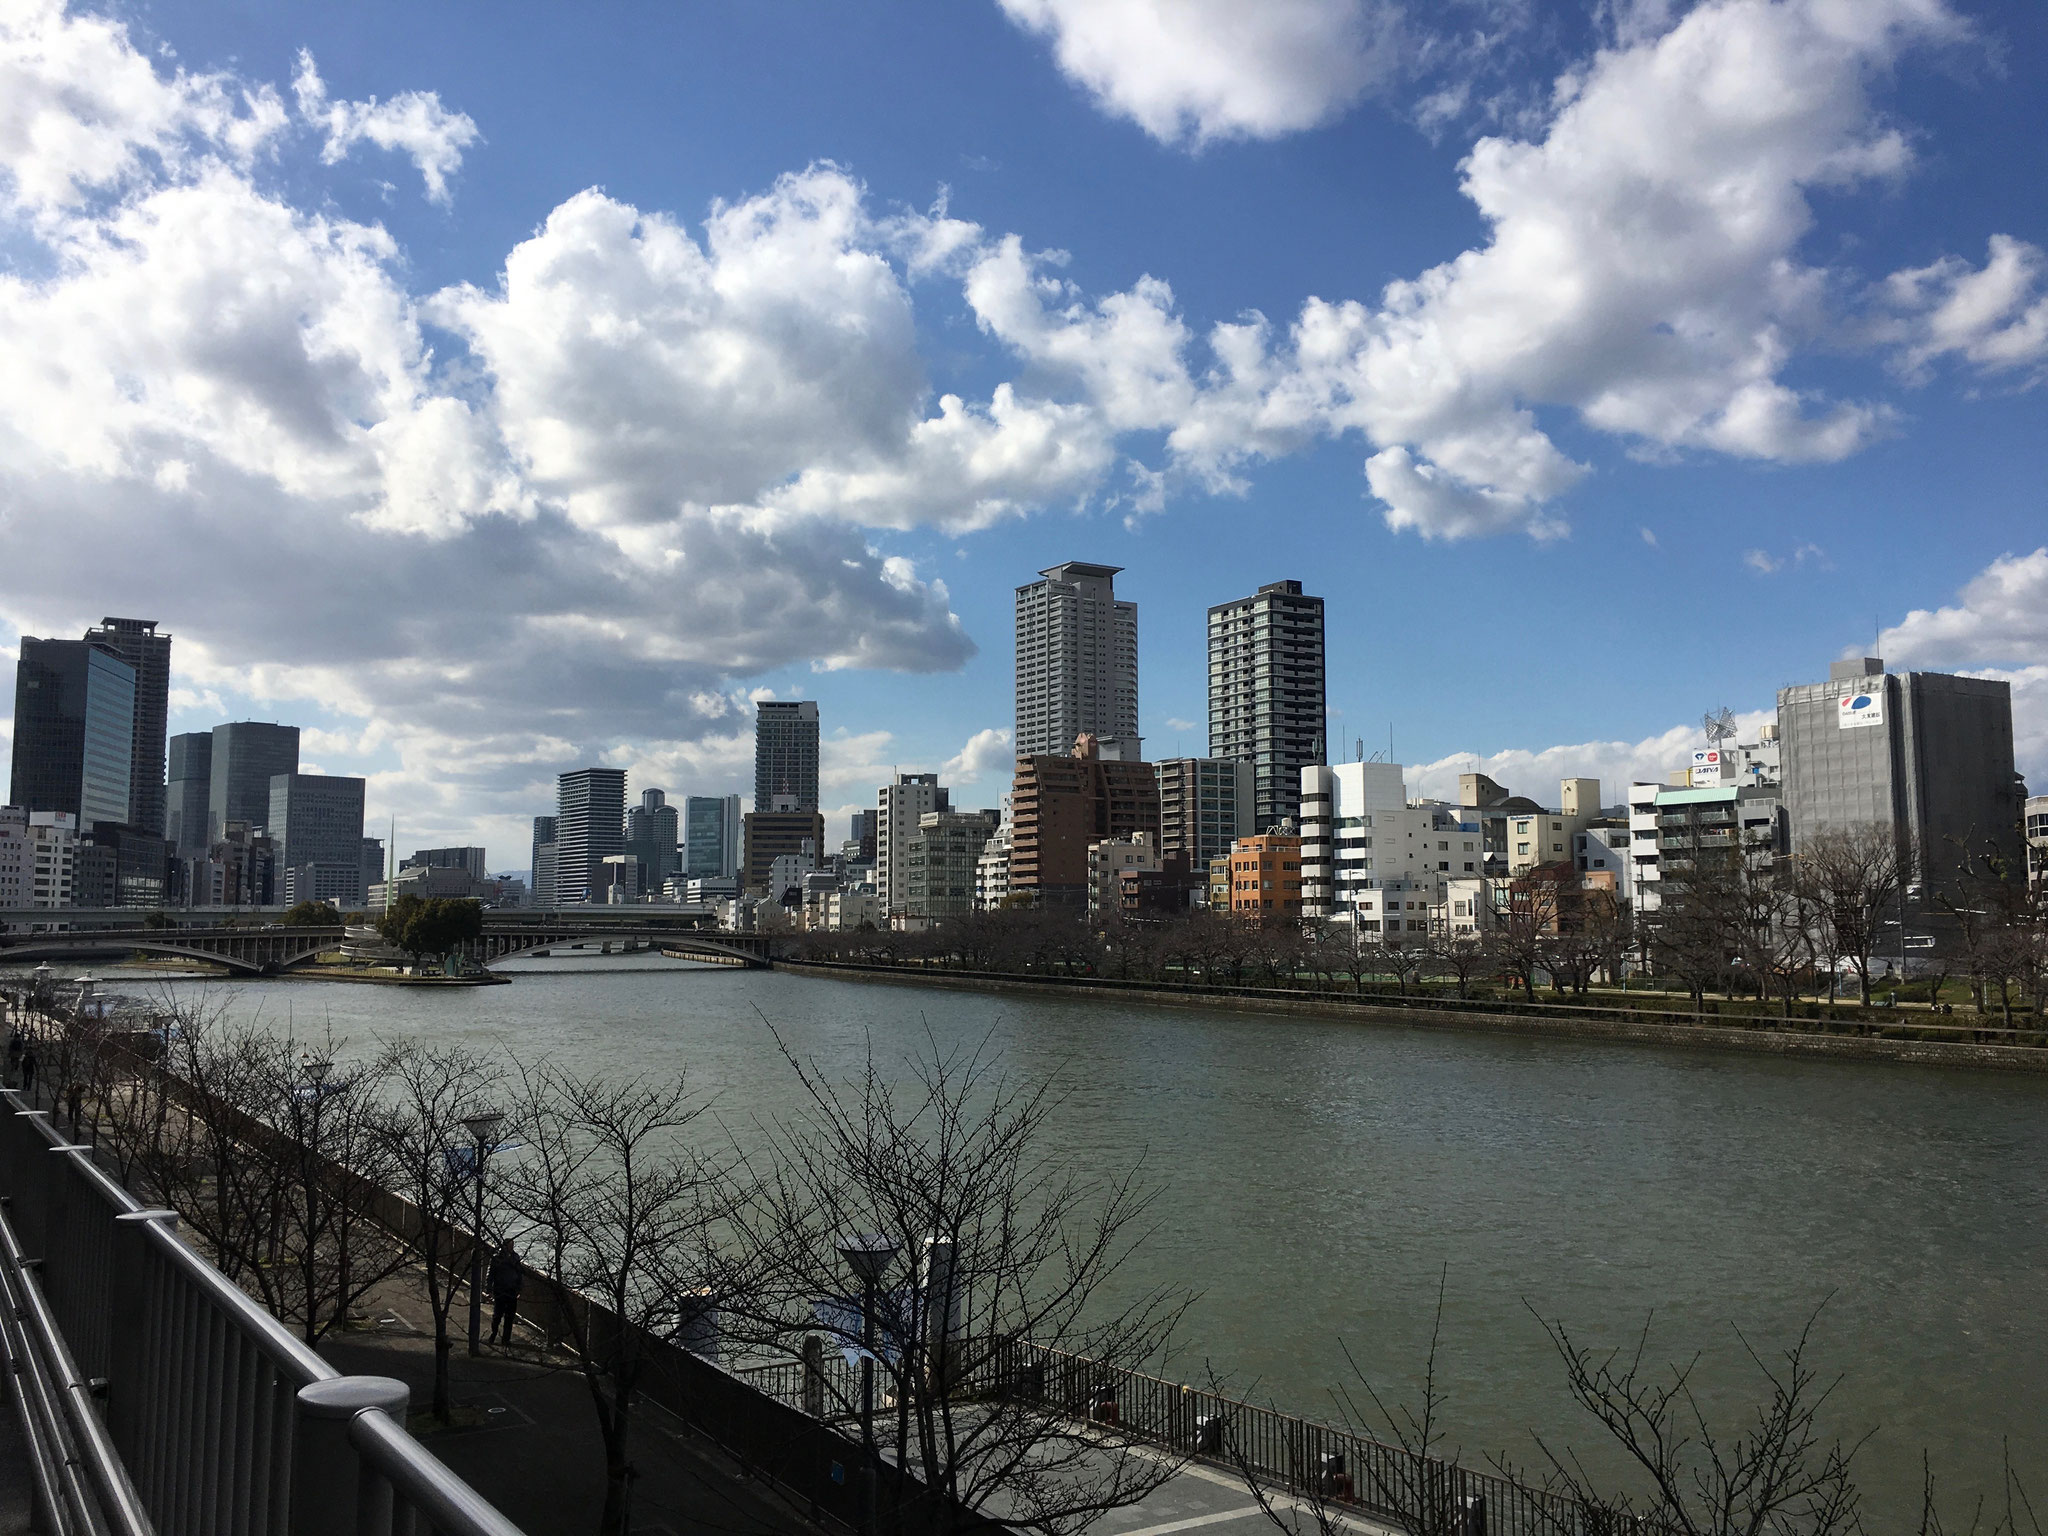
1320,1176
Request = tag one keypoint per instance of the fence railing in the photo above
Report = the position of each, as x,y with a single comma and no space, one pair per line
215,1418
1341,1467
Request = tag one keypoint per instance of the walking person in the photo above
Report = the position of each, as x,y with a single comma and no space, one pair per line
506,1278
28,1073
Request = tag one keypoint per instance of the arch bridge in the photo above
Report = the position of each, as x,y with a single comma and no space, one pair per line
502,940
269,951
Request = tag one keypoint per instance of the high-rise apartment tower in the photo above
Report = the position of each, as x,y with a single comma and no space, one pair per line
786,752
1266,699
136,642
1077,664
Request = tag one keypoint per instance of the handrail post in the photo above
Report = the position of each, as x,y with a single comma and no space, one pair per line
133,1345
331,1491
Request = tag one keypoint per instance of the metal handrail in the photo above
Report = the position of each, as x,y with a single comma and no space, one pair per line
65,1404
217,1415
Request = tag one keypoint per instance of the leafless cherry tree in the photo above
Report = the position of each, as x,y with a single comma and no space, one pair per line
618,1212
430,1155
1007,1308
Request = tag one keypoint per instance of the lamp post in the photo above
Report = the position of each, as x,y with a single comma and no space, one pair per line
867,1254
483,1126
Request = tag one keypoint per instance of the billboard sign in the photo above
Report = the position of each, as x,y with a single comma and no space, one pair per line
1864,707
1709,765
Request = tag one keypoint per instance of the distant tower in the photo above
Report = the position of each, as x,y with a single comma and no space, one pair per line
247,755
786,752
74,732
1077,664
590,826
136,642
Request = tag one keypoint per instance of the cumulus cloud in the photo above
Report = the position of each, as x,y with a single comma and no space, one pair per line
1199,70
1994,316
987,752
1997,628
413,122
1643,270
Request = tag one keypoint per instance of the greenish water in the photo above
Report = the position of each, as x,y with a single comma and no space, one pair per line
1319,1176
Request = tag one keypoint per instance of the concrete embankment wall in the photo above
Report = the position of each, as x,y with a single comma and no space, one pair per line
1814,1044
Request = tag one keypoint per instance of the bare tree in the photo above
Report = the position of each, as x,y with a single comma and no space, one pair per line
1853,878
1777,1473
620,1211
1000,1246
431,1159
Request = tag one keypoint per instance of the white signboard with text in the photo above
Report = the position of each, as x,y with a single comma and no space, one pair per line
1865,707
1709,768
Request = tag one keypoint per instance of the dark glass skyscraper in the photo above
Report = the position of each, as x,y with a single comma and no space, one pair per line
590,825
136,642
247,755
711,837
191,780
74,731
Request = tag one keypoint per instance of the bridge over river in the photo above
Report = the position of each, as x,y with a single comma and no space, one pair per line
274,948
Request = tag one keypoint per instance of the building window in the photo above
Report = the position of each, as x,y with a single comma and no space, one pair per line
1521,848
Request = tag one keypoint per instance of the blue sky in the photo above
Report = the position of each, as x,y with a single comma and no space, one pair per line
396,360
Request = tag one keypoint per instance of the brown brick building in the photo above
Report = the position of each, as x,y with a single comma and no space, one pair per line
1059,805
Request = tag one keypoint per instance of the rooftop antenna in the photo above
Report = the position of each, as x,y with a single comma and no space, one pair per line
1719,725
1361,749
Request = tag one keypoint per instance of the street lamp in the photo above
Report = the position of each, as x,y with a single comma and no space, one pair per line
867,1254
483,1126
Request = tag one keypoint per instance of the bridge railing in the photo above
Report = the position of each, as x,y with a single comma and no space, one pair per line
161,1398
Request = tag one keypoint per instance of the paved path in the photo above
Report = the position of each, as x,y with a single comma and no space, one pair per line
537,1455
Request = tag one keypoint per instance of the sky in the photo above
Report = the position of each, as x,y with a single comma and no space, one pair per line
496,390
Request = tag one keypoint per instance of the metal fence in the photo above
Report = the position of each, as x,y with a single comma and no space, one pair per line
1346,1470
1339,1466
159,1398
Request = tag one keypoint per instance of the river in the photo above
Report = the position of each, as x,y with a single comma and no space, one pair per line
1319,1176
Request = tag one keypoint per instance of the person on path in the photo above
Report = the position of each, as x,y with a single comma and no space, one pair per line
28,1073
506,1278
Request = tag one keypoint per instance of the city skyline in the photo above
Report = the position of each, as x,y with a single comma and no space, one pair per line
1877,494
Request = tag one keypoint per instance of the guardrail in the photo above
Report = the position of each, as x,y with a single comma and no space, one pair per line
216,1418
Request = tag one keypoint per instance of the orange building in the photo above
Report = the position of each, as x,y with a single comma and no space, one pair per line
1265,876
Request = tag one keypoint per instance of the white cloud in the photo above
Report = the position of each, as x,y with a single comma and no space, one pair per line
1998,629
82,112
2001,618
987,752
414,122
1995,316
1643,270
1198,70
